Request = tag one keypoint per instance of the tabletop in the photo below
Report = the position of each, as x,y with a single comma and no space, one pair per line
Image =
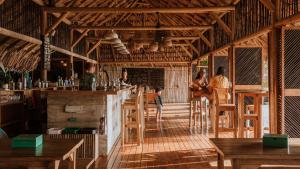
51,149
253,148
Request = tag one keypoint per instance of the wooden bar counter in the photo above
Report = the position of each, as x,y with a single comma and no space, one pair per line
99,109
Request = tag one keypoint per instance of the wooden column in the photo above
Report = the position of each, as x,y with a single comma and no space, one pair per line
70,69
44,24
273,55
211,63
231,67
231,57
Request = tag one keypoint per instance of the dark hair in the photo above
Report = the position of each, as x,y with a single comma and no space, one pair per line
220,71
198,74
124,70
158,90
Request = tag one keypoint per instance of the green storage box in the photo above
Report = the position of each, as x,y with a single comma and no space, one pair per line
27,141
275,140
71,130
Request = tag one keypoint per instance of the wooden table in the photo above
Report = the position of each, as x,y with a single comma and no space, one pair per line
48,155
257,97
250,153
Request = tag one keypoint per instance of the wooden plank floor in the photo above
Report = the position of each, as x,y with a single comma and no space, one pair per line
168,144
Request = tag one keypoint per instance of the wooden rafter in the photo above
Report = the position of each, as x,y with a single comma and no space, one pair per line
221,23
80,38
140,28
268,4
139,10
94,47
186,51
56,23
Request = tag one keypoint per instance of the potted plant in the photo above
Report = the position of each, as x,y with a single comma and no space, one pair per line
4,77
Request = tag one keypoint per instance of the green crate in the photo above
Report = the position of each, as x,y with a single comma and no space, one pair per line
27,141
71,130
275,140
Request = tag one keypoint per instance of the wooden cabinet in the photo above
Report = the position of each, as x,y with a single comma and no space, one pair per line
11,117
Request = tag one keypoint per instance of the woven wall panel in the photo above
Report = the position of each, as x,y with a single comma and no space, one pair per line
221,61
292,59
16,15
292,116
248,65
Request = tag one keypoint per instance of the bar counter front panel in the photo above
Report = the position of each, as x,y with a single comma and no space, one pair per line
94,105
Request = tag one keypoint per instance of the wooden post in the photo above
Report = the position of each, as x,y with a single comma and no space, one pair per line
70,70
98,57
211,63
44,23
231,66
273,50
231,57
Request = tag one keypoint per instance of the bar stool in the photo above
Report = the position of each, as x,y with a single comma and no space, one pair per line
250,115
197,107
132,117
222,105
149,102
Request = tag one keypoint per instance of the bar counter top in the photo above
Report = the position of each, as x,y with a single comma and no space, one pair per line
109,91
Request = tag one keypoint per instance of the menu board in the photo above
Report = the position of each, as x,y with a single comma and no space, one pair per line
152,77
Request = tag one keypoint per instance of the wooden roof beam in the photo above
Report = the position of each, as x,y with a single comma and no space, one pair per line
80,38
142,28
56,23
221,23
94,47
191,10
268,4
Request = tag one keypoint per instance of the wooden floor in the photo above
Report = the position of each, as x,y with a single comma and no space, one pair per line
168,144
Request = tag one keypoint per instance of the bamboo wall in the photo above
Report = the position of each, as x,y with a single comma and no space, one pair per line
250,17
16,14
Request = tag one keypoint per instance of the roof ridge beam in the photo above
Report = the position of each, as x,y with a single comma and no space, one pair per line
137,28
140,10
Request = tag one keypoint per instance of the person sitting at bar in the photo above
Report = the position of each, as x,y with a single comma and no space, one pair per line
199,85
159,103
124,78
87,79
219,80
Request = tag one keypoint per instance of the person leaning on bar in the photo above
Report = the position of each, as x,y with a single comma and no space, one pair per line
87,79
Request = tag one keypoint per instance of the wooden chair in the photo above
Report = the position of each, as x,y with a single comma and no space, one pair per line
250,115
133,117
221,105
149,102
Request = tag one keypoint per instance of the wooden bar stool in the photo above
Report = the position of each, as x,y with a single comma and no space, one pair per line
198,110
222,105
149,102
250,116
132,117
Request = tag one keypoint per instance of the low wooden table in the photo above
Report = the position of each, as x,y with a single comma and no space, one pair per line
48,155
250,153
257,97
